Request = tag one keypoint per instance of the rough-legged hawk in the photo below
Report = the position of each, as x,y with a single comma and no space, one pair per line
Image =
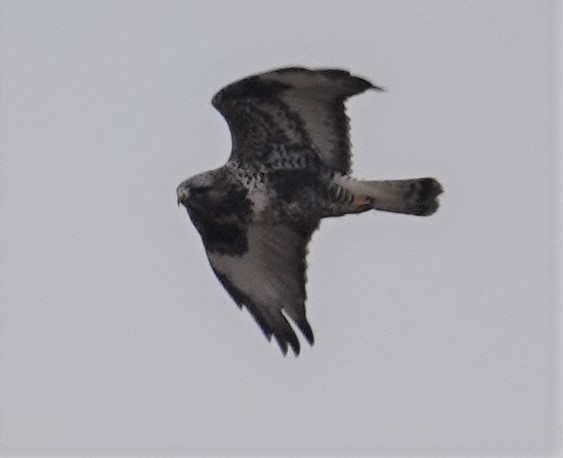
289,168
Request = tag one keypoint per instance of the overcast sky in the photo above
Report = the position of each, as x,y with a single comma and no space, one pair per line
432,334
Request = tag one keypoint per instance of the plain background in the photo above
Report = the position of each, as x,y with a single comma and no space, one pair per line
434,335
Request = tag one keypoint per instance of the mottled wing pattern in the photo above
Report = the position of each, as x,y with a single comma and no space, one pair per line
294,107
269,279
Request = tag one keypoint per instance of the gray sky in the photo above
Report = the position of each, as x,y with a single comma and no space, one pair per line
432,334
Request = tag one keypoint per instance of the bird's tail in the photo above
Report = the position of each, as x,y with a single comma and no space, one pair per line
417,196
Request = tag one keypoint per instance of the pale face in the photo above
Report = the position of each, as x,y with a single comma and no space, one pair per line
198,185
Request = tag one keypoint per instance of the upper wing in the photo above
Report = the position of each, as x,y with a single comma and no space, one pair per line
270,278
295,107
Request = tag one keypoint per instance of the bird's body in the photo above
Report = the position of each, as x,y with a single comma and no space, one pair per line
289,168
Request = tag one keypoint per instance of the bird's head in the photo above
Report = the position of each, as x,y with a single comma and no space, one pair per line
197,190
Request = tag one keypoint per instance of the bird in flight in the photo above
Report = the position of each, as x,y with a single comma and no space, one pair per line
289,167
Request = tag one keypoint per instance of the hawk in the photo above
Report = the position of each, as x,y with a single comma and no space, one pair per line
289,167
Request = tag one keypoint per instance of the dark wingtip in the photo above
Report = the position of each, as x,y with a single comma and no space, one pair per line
365,85
358,84
296,347
282,344
294,343
305,328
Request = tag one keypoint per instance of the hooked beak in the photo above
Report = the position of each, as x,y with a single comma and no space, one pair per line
183,195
